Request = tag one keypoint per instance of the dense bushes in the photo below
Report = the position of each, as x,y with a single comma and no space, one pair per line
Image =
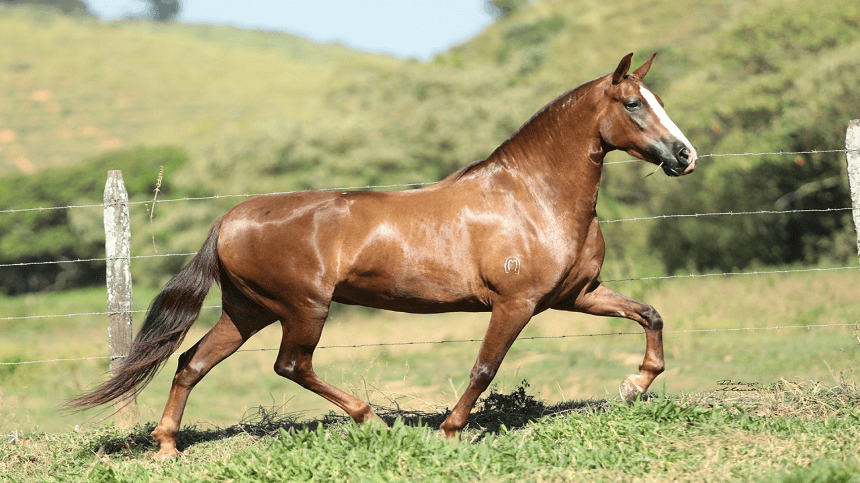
811,182
69,234
784,79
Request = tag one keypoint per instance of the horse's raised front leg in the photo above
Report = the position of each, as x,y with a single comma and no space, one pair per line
221,341
506,323
606,302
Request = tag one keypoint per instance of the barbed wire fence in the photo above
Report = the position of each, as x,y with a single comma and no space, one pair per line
119,285
851,151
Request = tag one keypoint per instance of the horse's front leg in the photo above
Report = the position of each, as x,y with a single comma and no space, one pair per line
506,323
606,302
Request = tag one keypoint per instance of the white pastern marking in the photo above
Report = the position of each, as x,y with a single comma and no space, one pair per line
663,117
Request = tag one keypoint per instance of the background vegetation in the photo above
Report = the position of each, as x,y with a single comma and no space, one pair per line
231,112
258,112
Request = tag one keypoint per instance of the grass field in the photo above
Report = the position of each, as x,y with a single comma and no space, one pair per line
430,377
783,432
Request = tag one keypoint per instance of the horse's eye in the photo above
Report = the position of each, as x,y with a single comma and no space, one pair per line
633,104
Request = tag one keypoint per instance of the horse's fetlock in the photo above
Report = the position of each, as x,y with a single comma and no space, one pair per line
655,367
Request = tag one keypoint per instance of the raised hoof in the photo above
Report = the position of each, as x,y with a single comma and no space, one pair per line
629,390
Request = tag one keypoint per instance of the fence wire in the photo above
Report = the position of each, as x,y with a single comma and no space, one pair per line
618,280
408,185
404,185
641,218
461,341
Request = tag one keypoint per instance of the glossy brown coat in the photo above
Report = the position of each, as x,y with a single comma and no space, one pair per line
515,234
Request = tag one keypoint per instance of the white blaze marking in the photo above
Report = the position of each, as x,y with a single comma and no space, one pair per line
664,118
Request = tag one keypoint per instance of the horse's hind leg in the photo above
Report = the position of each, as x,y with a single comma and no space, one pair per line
232,330
606,302
301,333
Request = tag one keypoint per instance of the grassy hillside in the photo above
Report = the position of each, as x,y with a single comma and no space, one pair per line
76,87
259,112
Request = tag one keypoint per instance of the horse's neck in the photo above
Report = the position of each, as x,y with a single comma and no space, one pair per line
558,154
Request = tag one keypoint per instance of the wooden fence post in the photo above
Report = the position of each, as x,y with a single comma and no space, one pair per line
852,156
118,253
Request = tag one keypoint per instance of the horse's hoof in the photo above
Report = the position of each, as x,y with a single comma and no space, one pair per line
167,454
629,390
373,422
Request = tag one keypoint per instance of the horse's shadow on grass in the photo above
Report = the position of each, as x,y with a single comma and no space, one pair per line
513,411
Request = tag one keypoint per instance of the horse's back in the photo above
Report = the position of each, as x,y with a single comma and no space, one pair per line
380,249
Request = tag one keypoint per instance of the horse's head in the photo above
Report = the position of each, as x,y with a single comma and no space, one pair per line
634,121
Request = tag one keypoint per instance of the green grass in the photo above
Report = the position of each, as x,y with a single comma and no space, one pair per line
783,432
431,377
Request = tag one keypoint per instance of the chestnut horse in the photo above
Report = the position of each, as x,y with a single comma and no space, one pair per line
514,235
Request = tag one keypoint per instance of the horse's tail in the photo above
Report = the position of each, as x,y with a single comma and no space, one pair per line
170,316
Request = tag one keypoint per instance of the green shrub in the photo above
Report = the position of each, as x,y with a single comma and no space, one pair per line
69,233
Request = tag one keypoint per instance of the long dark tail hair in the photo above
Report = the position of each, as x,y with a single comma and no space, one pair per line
171,314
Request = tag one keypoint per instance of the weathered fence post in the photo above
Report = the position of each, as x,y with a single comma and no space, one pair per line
118,250
852,155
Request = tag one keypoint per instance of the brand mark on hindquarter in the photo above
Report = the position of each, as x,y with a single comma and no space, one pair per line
512,265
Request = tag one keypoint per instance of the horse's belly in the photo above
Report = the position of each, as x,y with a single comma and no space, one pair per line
423,297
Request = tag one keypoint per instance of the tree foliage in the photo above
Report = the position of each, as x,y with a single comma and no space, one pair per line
69,233
789,80
726,242
69,7
503,8
162,10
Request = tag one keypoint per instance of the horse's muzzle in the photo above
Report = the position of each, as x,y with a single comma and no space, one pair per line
687,160
681,161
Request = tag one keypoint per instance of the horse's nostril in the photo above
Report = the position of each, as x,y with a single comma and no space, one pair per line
684,153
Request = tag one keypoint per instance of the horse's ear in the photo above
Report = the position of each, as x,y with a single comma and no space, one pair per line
641,71
622,69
